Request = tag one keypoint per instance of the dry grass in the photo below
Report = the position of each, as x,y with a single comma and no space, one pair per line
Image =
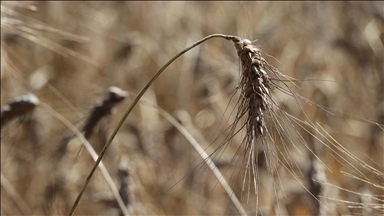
304,137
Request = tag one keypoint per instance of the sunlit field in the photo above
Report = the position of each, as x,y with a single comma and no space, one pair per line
283,115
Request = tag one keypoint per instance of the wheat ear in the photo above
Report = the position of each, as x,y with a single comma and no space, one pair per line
115,96
21,106
100,111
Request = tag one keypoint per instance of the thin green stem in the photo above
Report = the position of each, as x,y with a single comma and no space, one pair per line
126,114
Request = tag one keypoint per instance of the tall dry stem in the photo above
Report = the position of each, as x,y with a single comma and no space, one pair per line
136,100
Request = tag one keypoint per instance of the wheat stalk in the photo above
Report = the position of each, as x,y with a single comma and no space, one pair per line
136,100
126,114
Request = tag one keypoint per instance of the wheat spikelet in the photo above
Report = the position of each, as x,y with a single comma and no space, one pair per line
101,110
115,96
19,107
123,174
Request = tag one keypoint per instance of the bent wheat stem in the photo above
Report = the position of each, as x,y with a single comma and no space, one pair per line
126,114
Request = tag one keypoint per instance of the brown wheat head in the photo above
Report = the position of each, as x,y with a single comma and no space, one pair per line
255,97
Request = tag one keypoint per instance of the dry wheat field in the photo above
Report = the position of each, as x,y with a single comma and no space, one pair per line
277,108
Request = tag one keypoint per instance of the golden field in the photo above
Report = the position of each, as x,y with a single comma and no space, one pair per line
327,130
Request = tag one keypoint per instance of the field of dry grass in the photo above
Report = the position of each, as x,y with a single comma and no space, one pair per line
324,133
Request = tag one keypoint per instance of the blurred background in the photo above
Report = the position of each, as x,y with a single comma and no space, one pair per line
69,53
